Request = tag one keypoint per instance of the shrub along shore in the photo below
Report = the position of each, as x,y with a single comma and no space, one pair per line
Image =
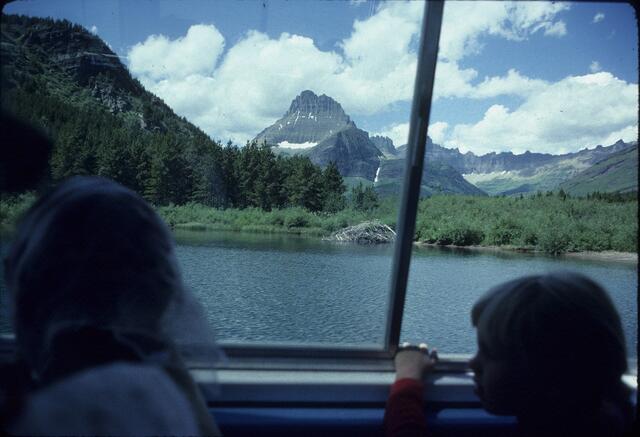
551,223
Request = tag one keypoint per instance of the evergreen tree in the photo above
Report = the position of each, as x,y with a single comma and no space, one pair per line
364,198
334,189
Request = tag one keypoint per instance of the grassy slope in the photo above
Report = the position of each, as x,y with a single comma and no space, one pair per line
617,173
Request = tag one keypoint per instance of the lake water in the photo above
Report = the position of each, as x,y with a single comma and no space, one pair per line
261,288
277,288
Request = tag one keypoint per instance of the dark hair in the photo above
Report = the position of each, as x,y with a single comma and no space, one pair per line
561,327
90,252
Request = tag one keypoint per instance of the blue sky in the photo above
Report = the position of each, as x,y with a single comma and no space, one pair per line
551,77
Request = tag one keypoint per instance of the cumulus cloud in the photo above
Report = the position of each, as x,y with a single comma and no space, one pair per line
437,131
234,92
513,84
595,67
573,113
464,26
159,58
94,29
399,133
598,17
465,23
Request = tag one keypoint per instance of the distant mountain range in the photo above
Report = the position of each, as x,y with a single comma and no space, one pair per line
317,126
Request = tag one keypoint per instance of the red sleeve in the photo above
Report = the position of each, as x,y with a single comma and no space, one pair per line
404,414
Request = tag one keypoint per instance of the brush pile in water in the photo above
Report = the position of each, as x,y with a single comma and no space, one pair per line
373,232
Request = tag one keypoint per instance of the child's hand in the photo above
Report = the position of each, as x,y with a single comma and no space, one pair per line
414,362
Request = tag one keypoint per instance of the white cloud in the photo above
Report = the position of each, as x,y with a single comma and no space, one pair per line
159,58
437,131
627,134
399,133
94,29
512,84
595,67
573,113
235,92
559,28
464,23
598,17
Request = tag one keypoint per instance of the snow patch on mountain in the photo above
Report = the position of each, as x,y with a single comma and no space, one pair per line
305,145
474,178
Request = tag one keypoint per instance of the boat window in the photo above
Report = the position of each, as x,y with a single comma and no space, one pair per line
257,129
534,124
312,182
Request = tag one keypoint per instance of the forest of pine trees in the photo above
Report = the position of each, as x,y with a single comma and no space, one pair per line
174,167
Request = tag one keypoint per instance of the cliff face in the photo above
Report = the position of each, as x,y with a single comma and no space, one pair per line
385,145
351,150
42,46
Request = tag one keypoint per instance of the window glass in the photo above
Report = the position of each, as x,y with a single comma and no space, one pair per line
531,162
257,129
524,94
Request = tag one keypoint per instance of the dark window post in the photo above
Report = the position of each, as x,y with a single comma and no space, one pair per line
420,110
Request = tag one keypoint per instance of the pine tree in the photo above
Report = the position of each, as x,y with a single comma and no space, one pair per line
334,189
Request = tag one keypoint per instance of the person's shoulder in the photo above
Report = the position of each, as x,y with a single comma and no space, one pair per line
100,400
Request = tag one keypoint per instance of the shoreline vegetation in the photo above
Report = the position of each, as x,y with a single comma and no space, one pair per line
598,227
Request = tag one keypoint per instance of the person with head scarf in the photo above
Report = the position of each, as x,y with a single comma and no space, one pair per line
102,319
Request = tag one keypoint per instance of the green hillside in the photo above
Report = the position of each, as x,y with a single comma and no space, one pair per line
62,79
617,173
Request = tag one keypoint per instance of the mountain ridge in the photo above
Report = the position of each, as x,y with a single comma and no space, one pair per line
357,154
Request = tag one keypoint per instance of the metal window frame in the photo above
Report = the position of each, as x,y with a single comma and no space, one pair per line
251,355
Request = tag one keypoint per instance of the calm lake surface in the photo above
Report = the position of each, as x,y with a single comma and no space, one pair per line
261,288
281,288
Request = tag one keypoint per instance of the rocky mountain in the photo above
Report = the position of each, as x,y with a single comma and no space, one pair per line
385,145
616,173
317,127
507,173
309,120
352,151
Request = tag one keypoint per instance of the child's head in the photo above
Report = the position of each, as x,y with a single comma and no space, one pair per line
89,253
547,340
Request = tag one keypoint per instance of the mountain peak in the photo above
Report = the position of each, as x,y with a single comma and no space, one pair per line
310,103
309,120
